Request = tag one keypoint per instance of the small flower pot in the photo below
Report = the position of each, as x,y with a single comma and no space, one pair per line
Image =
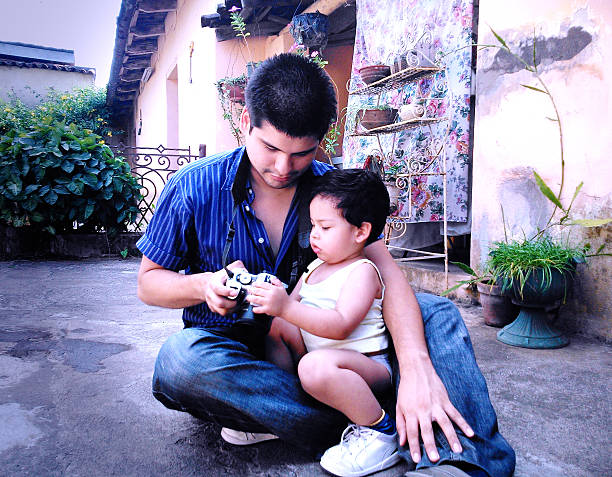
497,307
375,118
373,73
236,93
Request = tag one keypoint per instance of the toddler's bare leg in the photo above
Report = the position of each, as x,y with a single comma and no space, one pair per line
345,380
284,345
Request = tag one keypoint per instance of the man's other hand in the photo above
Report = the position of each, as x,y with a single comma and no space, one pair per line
216,294
422,400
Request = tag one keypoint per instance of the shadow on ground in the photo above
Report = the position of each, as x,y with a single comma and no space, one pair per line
76,356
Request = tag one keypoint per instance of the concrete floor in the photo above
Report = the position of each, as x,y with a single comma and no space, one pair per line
76,356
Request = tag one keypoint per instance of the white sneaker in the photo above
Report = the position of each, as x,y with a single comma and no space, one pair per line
362,451
240,438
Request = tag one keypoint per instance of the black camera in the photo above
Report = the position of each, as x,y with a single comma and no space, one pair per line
239,280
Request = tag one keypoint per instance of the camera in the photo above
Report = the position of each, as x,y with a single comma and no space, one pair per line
239,280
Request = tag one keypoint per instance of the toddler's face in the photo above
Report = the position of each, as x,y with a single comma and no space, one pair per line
332,238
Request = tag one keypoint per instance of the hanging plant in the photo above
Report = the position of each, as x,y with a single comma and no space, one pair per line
310,30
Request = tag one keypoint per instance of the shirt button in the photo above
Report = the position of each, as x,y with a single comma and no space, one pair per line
247,208
260,240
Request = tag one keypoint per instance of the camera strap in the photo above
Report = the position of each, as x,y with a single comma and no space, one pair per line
231,231
300,252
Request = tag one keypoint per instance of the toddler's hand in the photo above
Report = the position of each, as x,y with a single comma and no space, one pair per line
269,298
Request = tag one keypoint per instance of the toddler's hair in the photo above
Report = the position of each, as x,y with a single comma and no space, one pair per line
361,196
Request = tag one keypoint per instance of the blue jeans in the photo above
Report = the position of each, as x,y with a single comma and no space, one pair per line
216,378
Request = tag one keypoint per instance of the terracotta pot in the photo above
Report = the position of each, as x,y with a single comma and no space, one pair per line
375,118
372,73
236,93
497,308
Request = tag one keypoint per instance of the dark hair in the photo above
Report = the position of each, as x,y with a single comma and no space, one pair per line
361,195
293,94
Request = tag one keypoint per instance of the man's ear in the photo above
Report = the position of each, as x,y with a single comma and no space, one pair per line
245,121
363,232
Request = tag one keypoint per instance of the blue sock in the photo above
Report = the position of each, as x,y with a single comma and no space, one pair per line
386,425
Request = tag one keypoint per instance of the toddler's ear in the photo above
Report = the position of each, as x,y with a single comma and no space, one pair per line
363,232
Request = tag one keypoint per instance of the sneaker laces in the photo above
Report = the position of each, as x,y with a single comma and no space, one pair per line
354,438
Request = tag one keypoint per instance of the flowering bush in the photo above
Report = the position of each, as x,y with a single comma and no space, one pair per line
85,107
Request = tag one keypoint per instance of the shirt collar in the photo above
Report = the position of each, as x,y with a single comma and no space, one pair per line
238,177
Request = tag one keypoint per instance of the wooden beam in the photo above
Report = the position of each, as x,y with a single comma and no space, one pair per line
136,62
128,76
153,6
256,29
128,87
262,14
278,19
342,19
141,46
148,30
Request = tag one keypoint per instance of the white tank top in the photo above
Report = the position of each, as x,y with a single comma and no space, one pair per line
369,336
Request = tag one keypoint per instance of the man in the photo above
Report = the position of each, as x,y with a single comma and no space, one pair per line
244,207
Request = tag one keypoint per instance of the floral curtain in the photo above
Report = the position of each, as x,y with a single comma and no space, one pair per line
441,32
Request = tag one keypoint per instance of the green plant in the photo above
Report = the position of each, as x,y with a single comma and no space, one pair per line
55,178
86,107
229,108
513,260
512,263
239,27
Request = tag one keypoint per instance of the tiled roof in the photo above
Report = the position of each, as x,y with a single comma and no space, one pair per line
47,66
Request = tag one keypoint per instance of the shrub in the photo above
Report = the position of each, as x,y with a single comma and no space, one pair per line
54,177
86,107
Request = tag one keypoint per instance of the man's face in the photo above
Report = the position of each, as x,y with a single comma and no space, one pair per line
277,160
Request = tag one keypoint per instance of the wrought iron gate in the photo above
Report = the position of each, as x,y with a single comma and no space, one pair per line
152,167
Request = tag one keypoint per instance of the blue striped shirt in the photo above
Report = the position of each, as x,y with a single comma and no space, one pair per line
189,228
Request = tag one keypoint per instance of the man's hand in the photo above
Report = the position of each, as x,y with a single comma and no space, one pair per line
421,400
269,298
216,293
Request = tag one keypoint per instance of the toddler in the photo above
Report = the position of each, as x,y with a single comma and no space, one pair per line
332,321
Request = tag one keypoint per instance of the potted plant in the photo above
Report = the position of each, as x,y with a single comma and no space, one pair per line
497,307
376,116
539,270
310,30
372,73
538,273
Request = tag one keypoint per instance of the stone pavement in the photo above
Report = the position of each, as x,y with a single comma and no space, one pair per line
76,355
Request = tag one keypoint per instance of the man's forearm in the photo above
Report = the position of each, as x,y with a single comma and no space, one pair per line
400,310
170,289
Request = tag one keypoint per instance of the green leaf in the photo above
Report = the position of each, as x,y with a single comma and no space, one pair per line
590,222
36,217
76,187
534,88
500,39
50,198
88,211
90,179
14,188
31,188
465,268
546,191
68,166
30,204
577,191
453,288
